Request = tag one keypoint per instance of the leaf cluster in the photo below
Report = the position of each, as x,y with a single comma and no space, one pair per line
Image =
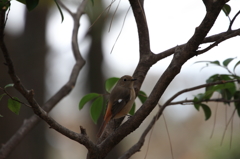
228,91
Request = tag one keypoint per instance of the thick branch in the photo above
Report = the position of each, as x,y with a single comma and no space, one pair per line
81,138
141,21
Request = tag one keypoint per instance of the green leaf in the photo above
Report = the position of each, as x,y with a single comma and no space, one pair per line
237,104
14,105
132,111
9,85
211,62
212,79
1,115
2,95
227,61
31,4
226,9
96,109
86,99
196,103
199,97
60,10
215,62
92,2
197,106
207,111
225,77
110,83
226,90
229,86
236,65
142,96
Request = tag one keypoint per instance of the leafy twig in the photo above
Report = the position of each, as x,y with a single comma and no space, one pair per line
190,102
14,98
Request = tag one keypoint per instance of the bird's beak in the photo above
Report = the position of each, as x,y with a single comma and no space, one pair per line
134,79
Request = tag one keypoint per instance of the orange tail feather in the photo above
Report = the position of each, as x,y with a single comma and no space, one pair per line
102,127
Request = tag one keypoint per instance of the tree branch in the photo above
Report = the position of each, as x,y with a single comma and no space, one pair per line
190,102
65,90
221,39
143,33
174,68
232,21
213,38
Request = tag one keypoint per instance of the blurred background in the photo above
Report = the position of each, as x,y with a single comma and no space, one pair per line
40,46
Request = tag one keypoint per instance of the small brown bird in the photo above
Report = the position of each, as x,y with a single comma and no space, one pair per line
120,101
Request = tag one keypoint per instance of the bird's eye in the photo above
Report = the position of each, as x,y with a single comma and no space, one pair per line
124,79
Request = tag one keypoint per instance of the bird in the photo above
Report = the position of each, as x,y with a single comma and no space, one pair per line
120,101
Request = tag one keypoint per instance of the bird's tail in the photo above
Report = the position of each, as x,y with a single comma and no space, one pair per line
103,127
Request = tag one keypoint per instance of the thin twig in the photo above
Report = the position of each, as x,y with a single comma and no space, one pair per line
169,138
226,108
120,30
148,144
4,90
221,39
210,39
190,102
232,21
214,121
106,9
65,7
231,134
227,126
113,15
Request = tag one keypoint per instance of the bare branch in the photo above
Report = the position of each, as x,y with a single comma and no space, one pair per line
143,33
217,38
81,138
218,41
232,21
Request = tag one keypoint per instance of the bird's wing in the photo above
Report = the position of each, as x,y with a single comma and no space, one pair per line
121,98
